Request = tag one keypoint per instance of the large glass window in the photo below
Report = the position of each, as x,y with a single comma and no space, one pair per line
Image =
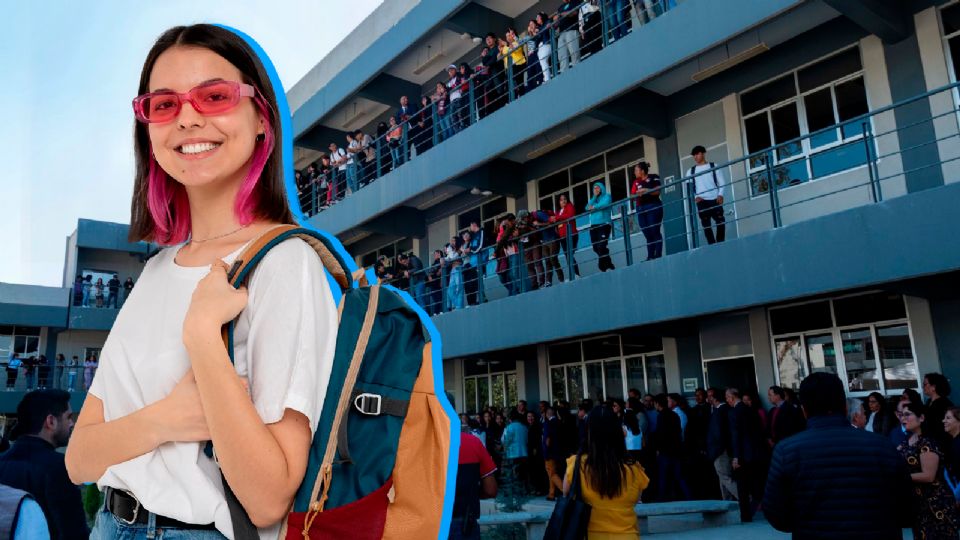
598,368
817,100
404,245
24,340
486,215
864,339
950,18
489,382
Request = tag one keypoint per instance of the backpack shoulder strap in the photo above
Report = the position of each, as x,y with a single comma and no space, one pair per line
713,169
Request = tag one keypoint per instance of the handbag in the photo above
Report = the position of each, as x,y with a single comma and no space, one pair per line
571,515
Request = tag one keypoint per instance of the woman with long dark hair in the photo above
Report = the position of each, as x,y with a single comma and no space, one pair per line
611,481
646,187
209,182
937,515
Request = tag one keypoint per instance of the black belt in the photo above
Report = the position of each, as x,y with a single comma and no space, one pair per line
128,509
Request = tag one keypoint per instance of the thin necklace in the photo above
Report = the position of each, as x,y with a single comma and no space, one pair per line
192,240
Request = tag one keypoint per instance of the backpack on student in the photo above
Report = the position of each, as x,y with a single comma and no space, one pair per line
713,169
378,461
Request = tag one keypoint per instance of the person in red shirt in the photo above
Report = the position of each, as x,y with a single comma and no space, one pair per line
475,481
566,228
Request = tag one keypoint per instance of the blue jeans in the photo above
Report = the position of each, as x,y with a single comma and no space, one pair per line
445,126
109,527
514,287
418,290
649,217
352,184
616,22
396,155
455,296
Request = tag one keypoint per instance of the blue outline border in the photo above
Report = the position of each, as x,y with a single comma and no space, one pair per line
286,142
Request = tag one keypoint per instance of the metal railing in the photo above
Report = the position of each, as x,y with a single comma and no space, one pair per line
35,376
91,294
771,188
491,81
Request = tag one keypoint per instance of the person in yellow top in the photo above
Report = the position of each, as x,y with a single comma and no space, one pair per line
511,51
611,481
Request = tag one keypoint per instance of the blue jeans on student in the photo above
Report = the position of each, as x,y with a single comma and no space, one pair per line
352,183
616,22
649,217
514,274
418,291
445,126
455,296
109,527
396,155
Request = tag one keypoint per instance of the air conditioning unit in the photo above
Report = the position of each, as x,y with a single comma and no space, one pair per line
742,56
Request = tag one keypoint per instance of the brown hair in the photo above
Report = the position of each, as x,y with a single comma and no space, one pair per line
269,194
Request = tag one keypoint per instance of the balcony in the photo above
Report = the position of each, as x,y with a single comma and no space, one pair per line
589,90
798,235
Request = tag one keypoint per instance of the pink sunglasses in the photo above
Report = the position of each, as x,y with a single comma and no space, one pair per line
211,98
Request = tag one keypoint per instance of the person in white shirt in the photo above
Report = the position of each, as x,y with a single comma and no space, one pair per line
166,385
354,147
338,159
708,187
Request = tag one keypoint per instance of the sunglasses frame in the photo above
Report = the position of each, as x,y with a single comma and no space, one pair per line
241,90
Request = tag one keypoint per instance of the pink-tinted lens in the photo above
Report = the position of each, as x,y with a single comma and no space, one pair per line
160,107
215,98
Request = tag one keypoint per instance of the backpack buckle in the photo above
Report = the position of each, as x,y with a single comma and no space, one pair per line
368,404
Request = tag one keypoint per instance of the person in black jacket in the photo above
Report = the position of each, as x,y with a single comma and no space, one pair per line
784,417
746,443
815,474
669,443
719,451
32,464
937,388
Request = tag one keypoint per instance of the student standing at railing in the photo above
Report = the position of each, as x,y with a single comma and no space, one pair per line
508,259
591,28
494,85
72,366
454,94
366,158
353,163
434,283
127,289
600,219
649,207
617,21
338,159
568,44
462,111
13,369
421,130
534,69
469,270
113,286
61,363
708,194
327,187
549,246
455,294
444,126
98,288
393,136
514,54
87,285
567,228
544,46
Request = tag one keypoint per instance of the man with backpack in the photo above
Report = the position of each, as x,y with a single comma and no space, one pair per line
708,186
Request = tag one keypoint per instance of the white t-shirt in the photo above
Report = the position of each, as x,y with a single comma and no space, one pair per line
704,184
283,343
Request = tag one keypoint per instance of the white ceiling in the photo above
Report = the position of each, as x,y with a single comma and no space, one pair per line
576,127
445,47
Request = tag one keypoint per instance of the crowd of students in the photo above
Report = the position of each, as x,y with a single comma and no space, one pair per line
510,65
87,293
39,373
724,445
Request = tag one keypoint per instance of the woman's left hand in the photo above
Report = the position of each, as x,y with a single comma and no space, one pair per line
214,302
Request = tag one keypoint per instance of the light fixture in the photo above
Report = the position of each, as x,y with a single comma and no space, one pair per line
477,40
486,193
465,36
475,191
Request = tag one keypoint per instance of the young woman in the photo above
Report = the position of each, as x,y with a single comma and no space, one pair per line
937,515
951,425
209,181
444,115
646,187
610,480
99,292
937,389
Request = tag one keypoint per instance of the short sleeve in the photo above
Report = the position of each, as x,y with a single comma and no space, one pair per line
285,338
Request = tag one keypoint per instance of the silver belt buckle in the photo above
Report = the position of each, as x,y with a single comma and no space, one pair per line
136,510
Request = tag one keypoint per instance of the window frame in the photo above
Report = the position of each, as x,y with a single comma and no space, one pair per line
836,333
489,376
582,363
799,99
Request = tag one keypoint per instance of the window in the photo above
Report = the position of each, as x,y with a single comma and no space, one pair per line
19,339
597,368
818,100
950,18
864,339
489,382
486,215
614,168
389,251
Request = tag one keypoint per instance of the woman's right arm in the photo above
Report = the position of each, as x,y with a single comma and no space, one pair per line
96,445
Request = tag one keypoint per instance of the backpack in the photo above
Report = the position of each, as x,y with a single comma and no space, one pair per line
713,169
378,461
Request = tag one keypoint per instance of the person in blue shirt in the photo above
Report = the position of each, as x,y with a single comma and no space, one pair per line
599,207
